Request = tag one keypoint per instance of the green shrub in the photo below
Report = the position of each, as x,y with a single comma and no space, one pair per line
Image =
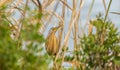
101,48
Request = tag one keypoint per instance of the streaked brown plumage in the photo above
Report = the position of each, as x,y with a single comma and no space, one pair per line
52,46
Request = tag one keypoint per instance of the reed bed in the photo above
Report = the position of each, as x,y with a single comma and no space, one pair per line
55,13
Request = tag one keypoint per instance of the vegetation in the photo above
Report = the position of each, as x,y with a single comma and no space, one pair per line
23,27
101,49
21,48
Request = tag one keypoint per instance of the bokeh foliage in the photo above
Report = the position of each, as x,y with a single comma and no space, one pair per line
25,52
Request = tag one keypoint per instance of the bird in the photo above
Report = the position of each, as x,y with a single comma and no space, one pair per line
51,44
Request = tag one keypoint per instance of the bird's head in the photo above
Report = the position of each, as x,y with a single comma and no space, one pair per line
54,29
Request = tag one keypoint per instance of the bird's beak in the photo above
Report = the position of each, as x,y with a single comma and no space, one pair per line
59,27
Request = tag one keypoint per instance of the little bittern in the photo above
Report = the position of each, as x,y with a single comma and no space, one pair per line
52,46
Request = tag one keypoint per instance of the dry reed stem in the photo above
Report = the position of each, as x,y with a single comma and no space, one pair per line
61,31
48,3
74,34
73,20
76,62
104,4
65,4
55,14
89,12
108,8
